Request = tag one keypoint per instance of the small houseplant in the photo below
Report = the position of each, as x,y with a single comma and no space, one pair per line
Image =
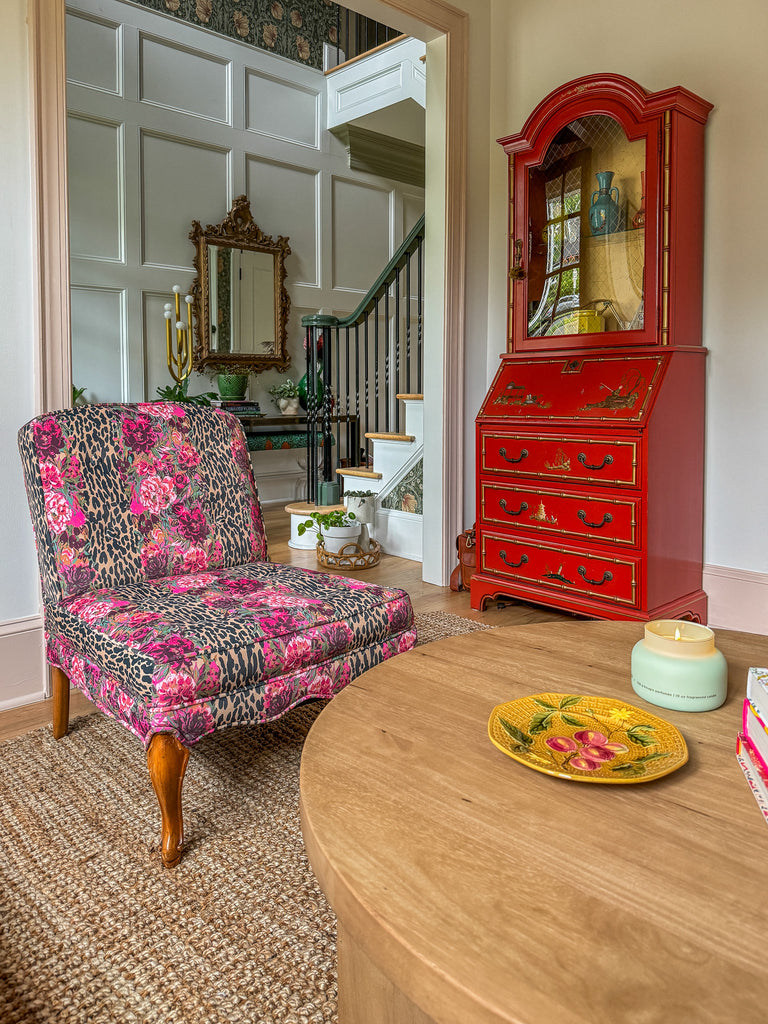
231,382
335,528
286,397
362,504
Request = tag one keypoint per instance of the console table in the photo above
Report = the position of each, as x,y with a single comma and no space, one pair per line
469,888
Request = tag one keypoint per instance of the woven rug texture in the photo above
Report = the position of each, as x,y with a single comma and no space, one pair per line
93,930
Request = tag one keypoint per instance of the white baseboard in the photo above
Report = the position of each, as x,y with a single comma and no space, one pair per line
399,533
738,599
23,678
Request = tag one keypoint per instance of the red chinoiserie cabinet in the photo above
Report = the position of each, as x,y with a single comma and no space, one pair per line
590,441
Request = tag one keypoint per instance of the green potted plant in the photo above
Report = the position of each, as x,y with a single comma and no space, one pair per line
335,528
286,397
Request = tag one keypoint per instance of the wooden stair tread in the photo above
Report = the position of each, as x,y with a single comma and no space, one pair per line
304,508
391,437
359,471
419,397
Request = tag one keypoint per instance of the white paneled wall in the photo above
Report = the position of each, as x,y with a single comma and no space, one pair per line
168,123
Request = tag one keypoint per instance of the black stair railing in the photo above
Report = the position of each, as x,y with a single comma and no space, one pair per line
358,365
356,35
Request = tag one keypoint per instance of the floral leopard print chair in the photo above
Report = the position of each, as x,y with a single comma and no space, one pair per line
160,602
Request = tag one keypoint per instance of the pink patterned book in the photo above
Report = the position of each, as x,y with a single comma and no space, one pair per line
756,731
754,772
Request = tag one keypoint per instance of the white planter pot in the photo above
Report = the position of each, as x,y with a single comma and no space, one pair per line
364,509
335,537
289,406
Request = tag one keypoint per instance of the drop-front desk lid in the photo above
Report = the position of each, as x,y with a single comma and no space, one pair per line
602,386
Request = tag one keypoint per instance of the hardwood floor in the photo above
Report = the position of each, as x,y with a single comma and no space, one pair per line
391,571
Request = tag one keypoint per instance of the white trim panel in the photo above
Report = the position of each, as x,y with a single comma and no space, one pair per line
21,655
738,599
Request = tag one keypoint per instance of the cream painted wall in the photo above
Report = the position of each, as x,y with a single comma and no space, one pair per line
717,51
18,579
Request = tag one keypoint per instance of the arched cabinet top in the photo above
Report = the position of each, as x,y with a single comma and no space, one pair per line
613,95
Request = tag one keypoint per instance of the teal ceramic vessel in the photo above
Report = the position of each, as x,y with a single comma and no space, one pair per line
605,215
676,665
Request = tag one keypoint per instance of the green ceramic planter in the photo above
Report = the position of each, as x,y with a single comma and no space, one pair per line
232,385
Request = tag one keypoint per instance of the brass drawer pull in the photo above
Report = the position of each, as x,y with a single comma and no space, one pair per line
509,511
503,454
607,518
583,460
607,577
513,565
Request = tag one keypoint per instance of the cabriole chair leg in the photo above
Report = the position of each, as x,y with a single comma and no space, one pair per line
60,686
167,761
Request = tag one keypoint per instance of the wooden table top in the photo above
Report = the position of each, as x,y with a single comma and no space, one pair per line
488,892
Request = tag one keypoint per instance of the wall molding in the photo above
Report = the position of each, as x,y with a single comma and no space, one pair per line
738,599
24,676
380,154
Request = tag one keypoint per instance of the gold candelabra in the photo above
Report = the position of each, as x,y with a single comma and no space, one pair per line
180,360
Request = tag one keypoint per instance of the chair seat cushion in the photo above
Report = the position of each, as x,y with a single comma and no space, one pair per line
190,654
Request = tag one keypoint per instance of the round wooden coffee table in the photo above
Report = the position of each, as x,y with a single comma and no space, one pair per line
470,889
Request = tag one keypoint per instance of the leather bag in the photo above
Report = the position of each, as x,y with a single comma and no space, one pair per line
467,552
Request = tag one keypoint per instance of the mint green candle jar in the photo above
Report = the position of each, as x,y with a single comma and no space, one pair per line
676,665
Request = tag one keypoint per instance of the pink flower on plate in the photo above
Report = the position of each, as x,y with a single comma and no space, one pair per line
587,750
157,493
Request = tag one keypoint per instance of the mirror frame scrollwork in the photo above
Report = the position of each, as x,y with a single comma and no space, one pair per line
238,230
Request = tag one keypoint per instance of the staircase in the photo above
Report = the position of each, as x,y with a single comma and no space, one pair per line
396,477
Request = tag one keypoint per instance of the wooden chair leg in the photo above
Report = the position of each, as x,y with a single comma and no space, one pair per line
167,761
60,685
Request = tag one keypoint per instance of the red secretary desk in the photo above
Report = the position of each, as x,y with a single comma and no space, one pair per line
590,440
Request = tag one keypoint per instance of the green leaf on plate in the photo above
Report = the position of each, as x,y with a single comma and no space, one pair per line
568,702
652,757
540,722
643,735
570,720
516,734
543,704
630,768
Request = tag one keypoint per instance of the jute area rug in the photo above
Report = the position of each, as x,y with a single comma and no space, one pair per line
93,930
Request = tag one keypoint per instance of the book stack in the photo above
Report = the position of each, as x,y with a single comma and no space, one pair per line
752,744
238,406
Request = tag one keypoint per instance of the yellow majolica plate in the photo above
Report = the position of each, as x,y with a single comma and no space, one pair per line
587,739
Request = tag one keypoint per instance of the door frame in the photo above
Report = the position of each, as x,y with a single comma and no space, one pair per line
444,345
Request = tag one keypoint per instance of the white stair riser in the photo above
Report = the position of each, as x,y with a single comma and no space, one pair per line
414,418
390,456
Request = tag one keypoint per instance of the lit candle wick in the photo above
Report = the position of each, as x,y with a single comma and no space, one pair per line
677,632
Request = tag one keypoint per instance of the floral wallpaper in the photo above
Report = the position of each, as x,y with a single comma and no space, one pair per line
408,495
295,29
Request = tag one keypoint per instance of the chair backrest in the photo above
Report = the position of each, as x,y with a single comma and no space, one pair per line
125,493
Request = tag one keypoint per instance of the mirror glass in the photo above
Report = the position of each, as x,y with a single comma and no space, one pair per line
240,304
586,238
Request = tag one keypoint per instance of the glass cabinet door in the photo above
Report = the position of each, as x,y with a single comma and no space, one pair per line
586,246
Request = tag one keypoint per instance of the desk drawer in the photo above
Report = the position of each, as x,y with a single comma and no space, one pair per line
560,458
587,516
566,569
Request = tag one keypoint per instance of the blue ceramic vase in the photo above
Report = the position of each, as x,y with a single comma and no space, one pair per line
605,214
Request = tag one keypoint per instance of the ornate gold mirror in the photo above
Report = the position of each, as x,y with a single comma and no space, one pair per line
240,304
